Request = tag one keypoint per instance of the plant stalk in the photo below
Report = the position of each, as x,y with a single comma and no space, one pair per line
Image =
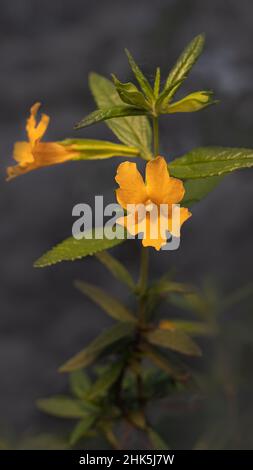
156,136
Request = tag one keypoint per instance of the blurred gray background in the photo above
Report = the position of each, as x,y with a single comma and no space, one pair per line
47,50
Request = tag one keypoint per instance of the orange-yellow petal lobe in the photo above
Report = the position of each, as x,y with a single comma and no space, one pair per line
51,153
153,236
22,153
174,228
148,225
162,189
42,154
36,131
132,189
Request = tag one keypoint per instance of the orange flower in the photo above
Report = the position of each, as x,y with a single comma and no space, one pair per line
34,154
151,211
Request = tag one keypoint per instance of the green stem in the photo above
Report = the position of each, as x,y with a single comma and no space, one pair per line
143,270
156,136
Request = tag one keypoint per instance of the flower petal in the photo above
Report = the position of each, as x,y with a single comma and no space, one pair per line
36,131
160,186
149,226
132,189
153,235
184,215
22,153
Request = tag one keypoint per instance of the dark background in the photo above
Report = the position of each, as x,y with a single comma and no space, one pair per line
47,50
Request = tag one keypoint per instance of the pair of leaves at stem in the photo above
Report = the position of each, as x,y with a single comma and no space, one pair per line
90,414
85,404
175,339
148,100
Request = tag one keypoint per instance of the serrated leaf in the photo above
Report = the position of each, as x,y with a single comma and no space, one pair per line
156,440
210,161
192,328
81,429
197,189
102,342
79,383
191,103
105,381
65,407
99,149
174,340
72,249
140,77
135,130
116,268
130,94
104,114
186,61
109,304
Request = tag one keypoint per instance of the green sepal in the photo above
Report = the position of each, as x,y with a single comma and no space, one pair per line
89,149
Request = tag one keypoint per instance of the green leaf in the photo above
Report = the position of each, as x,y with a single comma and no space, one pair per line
130,94
143,82
81,429
175,340
166,287
108,113
193,302
197,189
105,381
166,95
72,249
107,338
211,161
157,442
191,103
79,383
186,61
65,407
157,82
99,149
108,303
135,130
116,268
161,361
193,328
